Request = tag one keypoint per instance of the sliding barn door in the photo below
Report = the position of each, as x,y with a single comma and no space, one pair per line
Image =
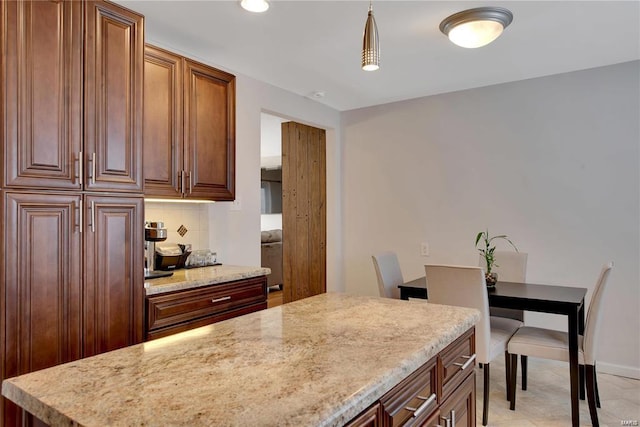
303,211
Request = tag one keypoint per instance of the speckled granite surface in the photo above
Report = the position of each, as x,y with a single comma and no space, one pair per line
203,276
315,362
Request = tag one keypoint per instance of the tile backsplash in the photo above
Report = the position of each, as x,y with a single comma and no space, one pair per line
192,216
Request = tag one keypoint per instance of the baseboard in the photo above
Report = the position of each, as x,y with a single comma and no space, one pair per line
622,371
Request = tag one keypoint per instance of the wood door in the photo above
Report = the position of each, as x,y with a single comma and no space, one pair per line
41,91
114,55
40,287
209,132
162,140
113,273
303,211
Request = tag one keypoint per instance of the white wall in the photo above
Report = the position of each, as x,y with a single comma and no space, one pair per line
552,162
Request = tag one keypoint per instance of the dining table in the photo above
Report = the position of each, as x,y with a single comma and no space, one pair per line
564,300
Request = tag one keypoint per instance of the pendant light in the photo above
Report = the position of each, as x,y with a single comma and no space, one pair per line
476,27
370,44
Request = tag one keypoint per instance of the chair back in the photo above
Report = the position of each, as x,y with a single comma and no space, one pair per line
463,286
388,273
511,266
594,316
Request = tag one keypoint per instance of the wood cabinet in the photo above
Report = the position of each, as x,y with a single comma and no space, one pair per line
113,273
179,311
189,128
72,279
72,209
45,77
440,392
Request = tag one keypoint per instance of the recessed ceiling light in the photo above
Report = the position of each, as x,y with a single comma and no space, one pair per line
476,27
255,5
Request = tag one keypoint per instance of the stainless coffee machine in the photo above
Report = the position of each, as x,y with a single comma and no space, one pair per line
154,231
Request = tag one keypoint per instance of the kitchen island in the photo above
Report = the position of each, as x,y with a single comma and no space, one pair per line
320,361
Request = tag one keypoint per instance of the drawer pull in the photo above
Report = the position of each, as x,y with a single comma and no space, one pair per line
466,364
420,409
227,298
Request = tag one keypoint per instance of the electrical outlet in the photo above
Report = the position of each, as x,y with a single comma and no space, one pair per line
424,249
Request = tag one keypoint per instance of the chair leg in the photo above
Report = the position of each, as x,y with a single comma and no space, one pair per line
591,394
581,382
485,398
524,359
513,374
507,372
595,382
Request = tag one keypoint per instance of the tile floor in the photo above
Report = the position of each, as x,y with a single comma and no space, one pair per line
546,402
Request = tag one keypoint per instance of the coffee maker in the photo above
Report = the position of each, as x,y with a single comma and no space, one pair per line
154,231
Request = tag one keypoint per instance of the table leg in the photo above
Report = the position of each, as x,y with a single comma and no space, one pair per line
573,366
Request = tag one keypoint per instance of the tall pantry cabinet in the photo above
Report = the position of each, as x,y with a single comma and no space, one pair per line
71,258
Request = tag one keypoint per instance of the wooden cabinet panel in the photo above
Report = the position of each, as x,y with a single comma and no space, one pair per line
41,285
179,311
114,52
209,132
371,417
163,160
178,307
113,273
413,399
42,93
460,407
458,355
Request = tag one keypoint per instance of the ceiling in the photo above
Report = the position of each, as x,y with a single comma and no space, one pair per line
314,46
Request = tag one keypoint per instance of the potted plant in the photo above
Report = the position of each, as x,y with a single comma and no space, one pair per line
486,250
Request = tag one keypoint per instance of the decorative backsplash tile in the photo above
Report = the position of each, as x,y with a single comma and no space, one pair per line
191,218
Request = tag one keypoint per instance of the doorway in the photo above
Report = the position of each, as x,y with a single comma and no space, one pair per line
299,151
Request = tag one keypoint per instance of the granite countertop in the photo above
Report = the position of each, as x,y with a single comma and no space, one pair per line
203,276
319,361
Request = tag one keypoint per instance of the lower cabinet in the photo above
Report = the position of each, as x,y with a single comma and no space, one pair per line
178,311
439,393
72,281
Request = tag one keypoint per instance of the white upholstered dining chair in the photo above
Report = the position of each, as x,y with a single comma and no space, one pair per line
466,287
388,273
511,267
551,344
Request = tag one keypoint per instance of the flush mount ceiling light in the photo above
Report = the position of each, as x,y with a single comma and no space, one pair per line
370,44
255,5
476,27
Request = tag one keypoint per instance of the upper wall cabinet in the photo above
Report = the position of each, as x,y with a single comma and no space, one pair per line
54,137
189,128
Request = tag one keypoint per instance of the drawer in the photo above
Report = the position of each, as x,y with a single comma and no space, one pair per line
186,306
414,399
455,363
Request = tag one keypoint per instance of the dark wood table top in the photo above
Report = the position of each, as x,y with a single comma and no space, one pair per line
528,296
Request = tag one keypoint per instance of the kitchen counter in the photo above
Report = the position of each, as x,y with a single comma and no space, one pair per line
314,362
203,276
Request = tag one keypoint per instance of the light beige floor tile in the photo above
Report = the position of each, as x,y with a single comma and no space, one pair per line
546,402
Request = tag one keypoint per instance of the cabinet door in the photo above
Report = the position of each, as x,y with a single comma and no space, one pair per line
41,286
113,273
114,53
162,123
460,407
42,93
209,134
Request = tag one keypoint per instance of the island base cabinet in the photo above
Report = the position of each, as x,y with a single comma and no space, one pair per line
421,400
460,408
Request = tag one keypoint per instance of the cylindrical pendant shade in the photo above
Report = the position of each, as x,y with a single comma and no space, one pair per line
370,45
